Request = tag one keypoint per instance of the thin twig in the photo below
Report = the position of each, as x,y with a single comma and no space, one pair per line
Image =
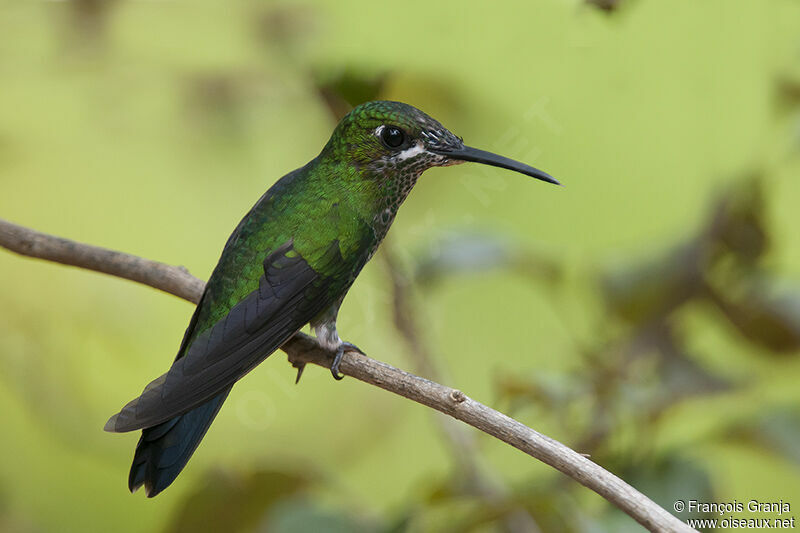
303,348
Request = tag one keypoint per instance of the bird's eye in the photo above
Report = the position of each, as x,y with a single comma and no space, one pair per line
393,137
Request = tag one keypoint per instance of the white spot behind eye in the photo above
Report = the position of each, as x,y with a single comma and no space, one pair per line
411,152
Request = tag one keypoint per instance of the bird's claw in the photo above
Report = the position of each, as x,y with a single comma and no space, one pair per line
343,347
300,367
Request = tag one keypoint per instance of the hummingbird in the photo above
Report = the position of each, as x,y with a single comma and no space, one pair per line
289,262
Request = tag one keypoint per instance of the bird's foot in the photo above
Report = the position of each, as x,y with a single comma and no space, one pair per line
343,347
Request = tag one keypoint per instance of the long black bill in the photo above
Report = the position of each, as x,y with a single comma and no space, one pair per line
468,153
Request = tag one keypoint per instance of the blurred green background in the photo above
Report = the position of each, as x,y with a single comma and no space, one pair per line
648,313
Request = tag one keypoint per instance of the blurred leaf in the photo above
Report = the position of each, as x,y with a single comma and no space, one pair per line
608,6
771,321
344,89
455,504
89,19
228,501
787,90
739,221
682,376
50,388
553,506
671,478
642,292
679,374
286,27
300,515
472,253
218,102
10,521
462,253
546,390
735,229
777,431
664,481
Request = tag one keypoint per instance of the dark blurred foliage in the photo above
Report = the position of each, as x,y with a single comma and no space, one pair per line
13,522
788,92
236,501
344,90
721,265
87,22
608,6
284,27
640,363
777,431
261,500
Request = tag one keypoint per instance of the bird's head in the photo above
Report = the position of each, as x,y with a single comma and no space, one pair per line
388,137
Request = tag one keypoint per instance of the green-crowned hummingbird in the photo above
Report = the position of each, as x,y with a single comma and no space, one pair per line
289,262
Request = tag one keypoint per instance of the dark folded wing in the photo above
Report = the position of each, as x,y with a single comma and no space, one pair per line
290,294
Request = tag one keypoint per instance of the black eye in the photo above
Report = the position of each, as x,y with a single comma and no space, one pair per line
393,137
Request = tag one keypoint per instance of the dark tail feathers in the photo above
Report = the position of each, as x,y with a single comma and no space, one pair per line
165,449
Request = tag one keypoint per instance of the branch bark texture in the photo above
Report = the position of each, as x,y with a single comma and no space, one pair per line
304,349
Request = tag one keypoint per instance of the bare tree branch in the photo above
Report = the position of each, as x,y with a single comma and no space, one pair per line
174,280
304,349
